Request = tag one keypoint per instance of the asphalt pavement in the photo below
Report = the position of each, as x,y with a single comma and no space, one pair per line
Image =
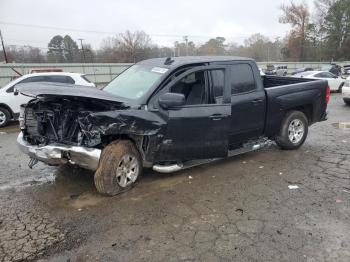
268,205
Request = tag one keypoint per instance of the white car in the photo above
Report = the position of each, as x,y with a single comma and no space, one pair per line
10,104
335,83
346,91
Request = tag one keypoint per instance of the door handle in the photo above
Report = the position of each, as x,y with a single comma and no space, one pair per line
257,101
216,117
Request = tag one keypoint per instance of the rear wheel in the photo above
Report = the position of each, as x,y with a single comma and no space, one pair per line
4,117
340,89
119,168
293,131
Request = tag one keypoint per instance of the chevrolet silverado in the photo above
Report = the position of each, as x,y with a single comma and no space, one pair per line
168,114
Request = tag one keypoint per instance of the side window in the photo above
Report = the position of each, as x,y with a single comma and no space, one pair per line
242,79
60,79
11,89
329,75
218,82
33,79
324,75
193,87
27,80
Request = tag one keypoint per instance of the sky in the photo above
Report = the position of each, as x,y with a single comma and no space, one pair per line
35,22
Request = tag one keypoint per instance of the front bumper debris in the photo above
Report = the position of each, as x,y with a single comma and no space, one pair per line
58,154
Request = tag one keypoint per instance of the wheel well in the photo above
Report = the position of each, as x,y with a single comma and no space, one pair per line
7,108
307,110
137,140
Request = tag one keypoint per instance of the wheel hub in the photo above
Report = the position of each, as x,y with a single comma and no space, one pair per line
296,131
127,170
2,118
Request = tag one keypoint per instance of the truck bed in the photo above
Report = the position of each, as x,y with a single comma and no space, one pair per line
289,93
273,81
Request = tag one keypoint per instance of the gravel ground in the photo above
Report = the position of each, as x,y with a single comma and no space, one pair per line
237,209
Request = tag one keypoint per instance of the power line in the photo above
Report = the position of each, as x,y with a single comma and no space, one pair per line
115,33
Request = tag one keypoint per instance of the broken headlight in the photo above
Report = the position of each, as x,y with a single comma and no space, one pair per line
21,117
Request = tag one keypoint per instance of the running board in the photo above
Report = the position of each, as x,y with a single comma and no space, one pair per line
247,147
250,146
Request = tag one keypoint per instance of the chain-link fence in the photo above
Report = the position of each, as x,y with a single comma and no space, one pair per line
102,73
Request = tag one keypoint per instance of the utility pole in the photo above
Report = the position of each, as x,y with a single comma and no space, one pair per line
3,47
5,55
186,41
82,49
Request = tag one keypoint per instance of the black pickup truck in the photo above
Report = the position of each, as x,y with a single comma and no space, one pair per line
168,114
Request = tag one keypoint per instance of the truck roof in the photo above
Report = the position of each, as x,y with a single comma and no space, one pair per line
184,60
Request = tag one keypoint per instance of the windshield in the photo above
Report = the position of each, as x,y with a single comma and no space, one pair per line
326,67
134,82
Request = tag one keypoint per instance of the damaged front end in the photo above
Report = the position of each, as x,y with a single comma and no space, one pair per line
58,129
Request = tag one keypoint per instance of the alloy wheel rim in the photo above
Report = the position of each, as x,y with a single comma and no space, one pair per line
2,118
296,131
127,170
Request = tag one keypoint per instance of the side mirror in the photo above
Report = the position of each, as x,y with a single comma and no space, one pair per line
15,91
171,100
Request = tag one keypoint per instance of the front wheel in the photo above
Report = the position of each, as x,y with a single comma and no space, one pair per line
4,117
294,130
119,167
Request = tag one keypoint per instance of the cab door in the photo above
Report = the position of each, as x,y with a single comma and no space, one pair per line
199,129
248,102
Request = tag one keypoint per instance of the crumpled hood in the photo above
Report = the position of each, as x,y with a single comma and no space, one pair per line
47,89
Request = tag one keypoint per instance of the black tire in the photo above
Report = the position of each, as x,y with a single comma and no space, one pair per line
112,158
283,139
5,117
347,101
340,89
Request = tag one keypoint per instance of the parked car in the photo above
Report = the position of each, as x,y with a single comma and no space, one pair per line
332,68
279,70
346,91
335,83
261,72
10,104
346,70
303,69
168,114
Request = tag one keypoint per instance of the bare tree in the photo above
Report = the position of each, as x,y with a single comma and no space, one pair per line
134,44
298,16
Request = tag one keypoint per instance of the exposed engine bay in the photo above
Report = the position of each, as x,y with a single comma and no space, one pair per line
58,120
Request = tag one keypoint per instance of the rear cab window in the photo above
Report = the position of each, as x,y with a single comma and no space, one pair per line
242,79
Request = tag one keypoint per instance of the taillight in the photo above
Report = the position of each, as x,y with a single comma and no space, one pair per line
328,94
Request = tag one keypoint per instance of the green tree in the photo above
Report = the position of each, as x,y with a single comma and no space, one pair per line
70,50
214,46
55,52
336,28
63,49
